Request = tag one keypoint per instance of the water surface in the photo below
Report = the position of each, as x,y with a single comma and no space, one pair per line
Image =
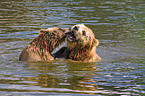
118,25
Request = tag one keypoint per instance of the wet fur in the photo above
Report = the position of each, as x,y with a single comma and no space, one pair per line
84,48
42,46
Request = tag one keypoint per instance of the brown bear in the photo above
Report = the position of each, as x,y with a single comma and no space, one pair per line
81,44
42,46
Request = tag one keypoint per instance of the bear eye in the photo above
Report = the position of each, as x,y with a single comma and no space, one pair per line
84,33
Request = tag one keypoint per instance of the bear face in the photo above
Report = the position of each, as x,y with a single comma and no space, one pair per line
81,36
82,44
41,47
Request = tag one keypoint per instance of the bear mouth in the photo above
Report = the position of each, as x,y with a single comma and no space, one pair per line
71,36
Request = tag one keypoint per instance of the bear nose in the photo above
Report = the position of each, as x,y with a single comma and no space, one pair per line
75,28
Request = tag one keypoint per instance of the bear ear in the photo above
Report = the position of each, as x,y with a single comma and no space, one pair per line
42,31
95,42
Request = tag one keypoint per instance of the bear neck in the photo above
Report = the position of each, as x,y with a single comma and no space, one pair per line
83,54
44,44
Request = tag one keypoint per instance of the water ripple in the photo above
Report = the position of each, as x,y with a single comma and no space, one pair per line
118,25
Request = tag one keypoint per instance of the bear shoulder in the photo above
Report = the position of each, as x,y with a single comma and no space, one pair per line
41,47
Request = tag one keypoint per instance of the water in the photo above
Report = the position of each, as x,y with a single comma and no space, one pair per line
119,26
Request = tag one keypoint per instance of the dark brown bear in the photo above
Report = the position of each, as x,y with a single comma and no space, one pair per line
42,46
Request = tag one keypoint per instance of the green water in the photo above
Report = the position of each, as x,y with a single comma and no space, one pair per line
118,25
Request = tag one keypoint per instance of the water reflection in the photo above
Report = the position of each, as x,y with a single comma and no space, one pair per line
68,75
119,25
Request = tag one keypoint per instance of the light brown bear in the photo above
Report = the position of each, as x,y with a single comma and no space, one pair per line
81,44
42,46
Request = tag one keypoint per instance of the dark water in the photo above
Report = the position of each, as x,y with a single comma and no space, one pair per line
118,24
